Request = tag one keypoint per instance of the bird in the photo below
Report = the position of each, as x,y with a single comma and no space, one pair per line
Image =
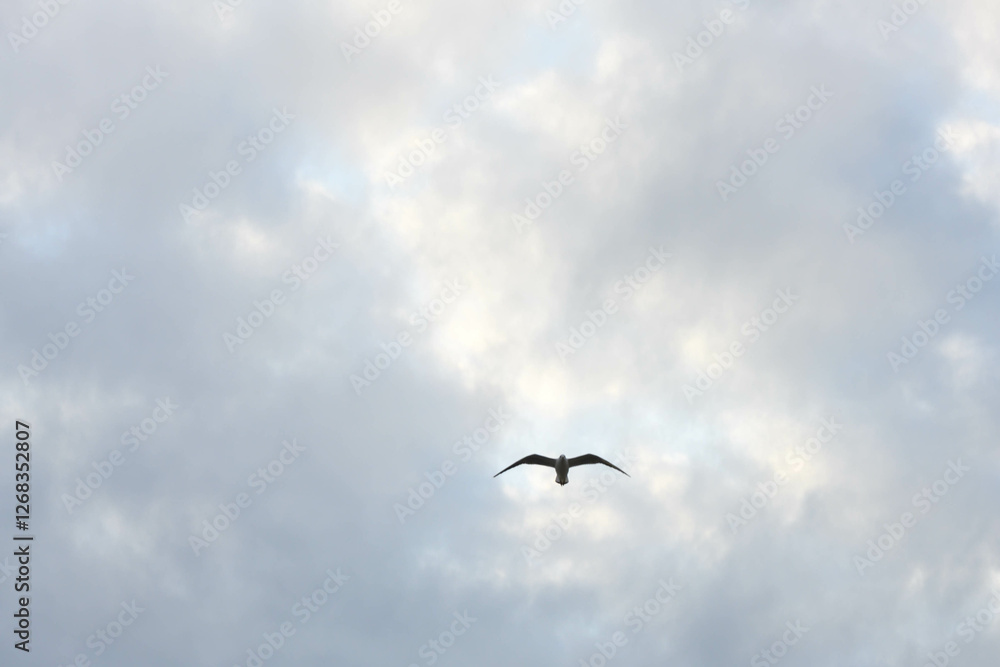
562,465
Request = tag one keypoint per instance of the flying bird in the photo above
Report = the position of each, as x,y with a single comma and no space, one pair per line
562,465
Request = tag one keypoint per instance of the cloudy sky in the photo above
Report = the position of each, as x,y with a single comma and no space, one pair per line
286,284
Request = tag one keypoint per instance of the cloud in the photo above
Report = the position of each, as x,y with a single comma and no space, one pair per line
321,182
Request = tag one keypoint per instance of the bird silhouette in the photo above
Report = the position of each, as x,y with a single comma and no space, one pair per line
562,465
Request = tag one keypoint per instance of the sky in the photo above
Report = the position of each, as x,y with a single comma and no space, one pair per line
286,284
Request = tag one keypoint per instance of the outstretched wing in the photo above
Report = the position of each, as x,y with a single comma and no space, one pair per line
593,458
534,458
